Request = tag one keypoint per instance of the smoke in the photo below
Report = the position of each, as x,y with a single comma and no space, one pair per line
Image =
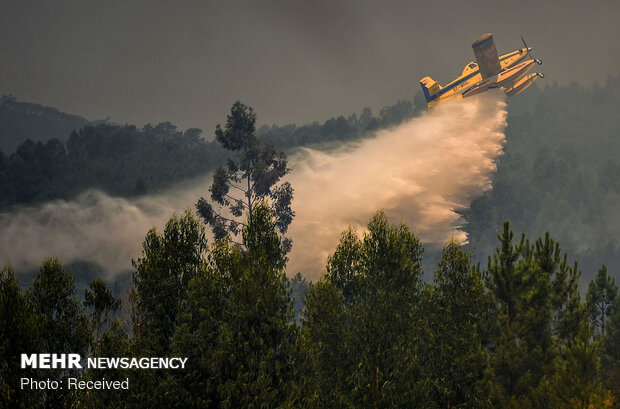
420,173
94,227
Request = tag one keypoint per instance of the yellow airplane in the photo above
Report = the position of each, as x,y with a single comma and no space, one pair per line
508,71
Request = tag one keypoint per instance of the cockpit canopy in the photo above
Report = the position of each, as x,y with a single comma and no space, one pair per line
469,68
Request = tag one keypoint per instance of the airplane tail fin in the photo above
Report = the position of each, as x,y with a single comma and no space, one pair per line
430,87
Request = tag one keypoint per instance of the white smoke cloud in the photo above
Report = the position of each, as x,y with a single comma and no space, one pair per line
419,172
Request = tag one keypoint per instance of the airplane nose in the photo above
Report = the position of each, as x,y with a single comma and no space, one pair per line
529,49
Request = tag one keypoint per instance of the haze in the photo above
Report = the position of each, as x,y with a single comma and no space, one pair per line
294,62
419,172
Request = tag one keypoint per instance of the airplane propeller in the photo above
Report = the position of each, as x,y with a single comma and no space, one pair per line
539,62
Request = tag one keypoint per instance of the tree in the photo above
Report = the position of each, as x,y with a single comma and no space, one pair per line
521,296
18,334
98,297
600,297
298,286
161,277
322,360
370,303
577,381
62,323
568,310
457,362
611,357
237,322
114,342
253,175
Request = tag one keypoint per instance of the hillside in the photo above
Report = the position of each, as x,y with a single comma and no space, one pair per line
20,121
560,173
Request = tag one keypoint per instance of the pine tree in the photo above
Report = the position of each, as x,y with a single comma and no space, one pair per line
602,291
522,302
577,381
568,310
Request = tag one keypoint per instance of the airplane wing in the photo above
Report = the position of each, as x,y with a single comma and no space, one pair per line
486,55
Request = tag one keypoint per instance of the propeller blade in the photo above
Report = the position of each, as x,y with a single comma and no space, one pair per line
529,53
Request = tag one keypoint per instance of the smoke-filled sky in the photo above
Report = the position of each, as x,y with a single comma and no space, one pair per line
293,61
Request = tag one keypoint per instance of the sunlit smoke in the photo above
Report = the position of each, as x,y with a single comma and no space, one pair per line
420,173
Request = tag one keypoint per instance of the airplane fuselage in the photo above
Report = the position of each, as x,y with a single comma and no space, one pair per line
471,78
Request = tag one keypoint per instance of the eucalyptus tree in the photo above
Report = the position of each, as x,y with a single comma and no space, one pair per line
252,174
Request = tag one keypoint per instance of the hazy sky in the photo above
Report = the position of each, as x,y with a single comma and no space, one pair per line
187,62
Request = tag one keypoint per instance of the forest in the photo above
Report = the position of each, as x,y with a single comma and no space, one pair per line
514,332
558,173
124,160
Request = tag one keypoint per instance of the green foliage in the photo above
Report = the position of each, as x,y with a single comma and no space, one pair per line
237,322
61,318
114,342
121,160
371,335
559,173
253,173
361,321
62,324
98,297
577,381
322,360
602,291
521,294
170,260
19,334
457,364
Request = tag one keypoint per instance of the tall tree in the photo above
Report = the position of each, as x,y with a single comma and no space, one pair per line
322,359
170,260
611,357
375,310
99,298
237,322
161,279
18,334
577,380
298,286
251,175
457,362
602,291
62,321
521,295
